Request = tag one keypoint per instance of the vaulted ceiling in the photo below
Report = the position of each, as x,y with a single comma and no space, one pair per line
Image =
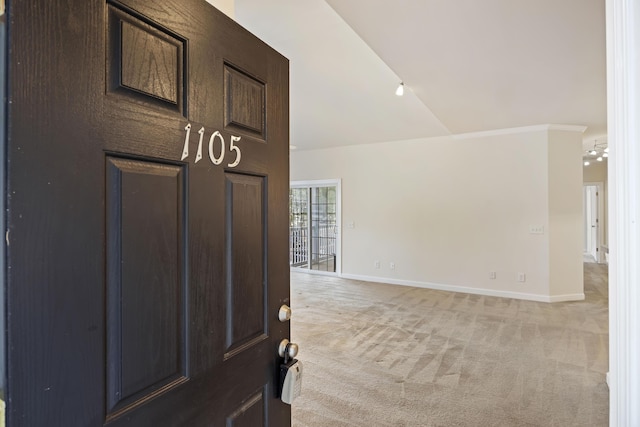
467,65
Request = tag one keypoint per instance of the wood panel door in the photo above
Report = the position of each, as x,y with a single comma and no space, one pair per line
147,193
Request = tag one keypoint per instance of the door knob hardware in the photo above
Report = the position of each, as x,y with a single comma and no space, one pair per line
292,350
287,350
282,348
284,314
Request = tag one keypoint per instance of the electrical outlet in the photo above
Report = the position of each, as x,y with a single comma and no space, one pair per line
492,275
376,264
392,266
522,277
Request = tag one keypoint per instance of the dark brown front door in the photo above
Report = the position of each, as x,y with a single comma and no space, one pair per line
147,185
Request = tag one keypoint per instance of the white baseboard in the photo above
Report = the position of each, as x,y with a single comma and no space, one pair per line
316,272
467,290
565,298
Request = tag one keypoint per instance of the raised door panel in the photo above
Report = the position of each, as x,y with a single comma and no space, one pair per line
146,286
245,261
244,98
251,413
145,62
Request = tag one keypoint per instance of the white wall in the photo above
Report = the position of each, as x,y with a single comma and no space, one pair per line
595,172
447,211
226,6
566,220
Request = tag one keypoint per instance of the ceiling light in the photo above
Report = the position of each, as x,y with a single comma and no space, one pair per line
586,163
400,90
606,150
599,159
593,152
605,154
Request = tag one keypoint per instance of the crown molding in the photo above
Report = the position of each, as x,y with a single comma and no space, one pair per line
522,129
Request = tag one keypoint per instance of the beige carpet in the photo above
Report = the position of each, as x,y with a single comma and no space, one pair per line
383,355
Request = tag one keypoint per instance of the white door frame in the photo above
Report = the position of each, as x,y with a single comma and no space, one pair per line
623,124
600,231
327,183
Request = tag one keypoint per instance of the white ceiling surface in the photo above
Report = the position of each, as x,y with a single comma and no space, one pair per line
468,65
341,91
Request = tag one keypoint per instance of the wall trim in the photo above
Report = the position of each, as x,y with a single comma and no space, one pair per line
623,110
523,129
566,298
466,290
315,183
313,272
468,135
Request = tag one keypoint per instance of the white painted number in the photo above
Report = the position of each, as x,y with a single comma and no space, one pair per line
199,153
212,156
233,147
185,149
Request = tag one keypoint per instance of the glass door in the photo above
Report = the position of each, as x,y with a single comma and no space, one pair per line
313,226
298,227
324,229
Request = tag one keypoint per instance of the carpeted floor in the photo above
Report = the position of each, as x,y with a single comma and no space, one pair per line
384,355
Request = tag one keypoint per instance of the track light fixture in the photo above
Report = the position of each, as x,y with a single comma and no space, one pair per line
598,153
400,90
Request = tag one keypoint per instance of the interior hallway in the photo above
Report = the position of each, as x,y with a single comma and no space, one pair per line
385,355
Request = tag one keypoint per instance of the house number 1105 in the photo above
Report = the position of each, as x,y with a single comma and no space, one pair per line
212,139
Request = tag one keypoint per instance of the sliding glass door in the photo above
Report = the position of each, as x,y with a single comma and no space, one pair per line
314,238
299,227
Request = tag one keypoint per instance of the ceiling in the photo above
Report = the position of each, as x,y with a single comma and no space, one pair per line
467,65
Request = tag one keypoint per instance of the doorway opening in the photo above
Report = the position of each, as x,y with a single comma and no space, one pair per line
593,213
314,218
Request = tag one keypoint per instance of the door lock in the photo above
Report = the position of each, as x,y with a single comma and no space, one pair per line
284,314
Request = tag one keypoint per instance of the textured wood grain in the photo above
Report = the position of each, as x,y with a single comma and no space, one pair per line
149,63
53,266
244,98
145,61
